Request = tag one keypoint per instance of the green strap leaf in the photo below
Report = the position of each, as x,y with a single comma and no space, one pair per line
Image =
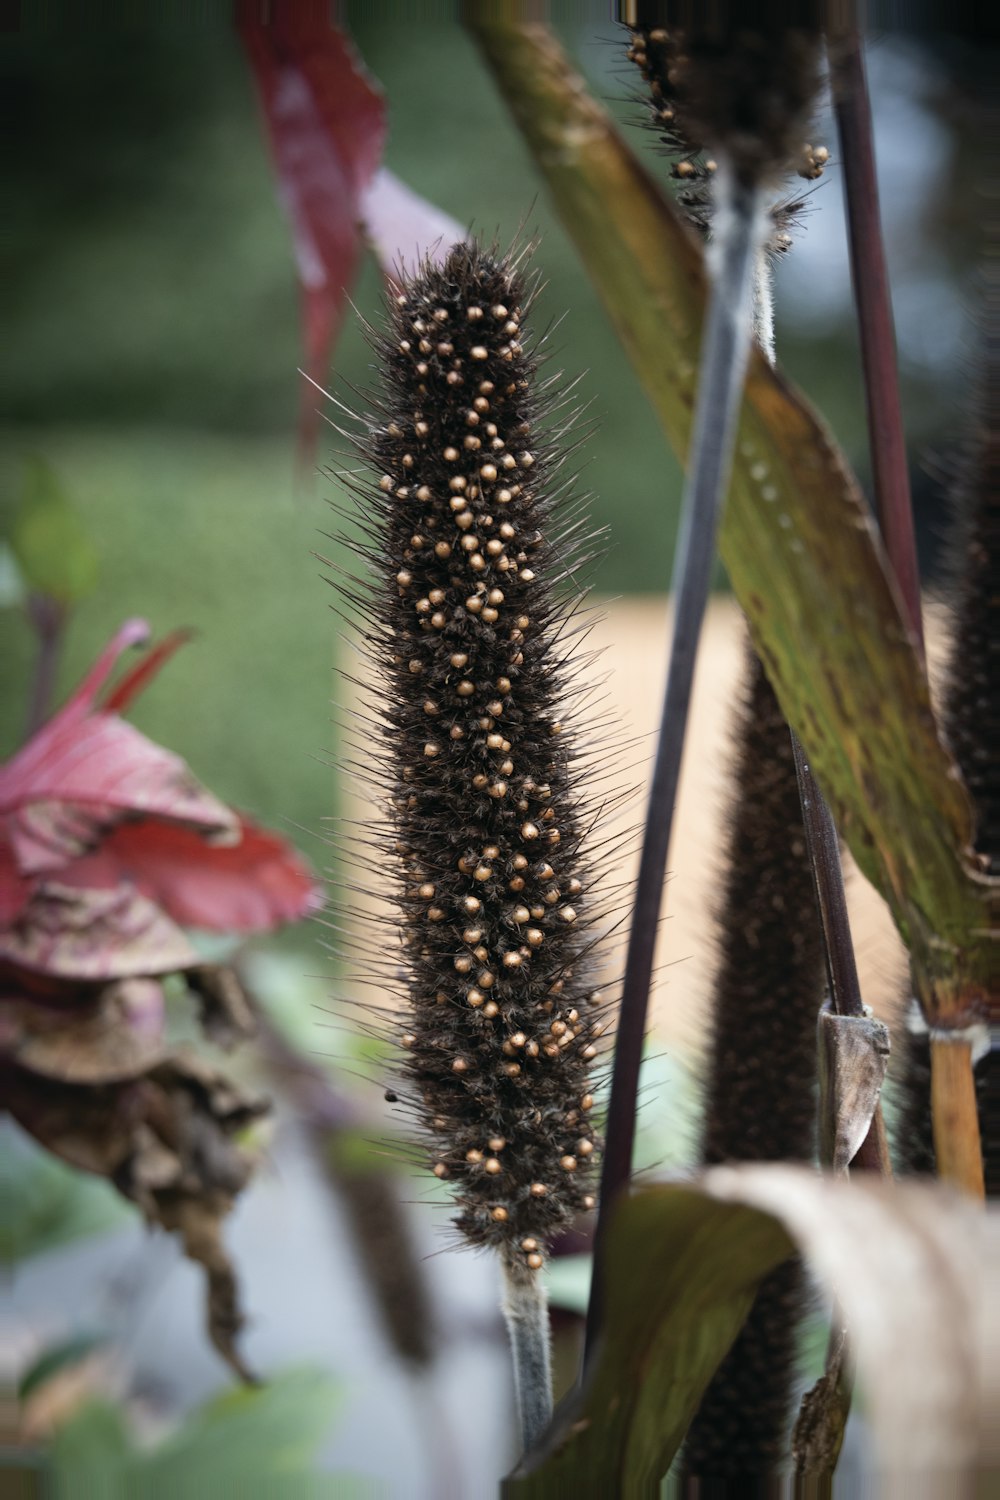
797,538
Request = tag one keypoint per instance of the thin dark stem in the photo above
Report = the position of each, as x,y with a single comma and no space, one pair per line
831,898
886,437
725,351
49,620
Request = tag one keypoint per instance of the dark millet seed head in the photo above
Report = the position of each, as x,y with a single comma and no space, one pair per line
675,74
745,89
484,791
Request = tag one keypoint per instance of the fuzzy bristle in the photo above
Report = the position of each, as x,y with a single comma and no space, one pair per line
471,533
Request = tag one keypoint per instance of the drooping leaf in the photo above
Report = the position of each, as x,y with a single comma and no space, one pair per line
85,768
325,119
103,1037
796,537
171,1140
680,1280
55,555
914,1267
65,787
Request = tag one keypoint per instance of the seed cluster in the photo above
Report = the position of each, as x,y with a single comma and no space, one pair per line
482,779
659,54
744,90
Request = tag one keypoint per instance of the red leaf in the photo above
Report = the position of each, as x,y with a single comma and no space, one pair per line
326,123
249,886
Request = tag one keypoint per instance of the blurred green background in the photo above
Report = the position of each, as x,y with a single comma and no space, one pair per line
152,340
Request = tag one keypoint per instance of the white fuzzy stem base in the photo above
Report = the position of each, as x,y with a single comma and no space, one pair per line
526,1310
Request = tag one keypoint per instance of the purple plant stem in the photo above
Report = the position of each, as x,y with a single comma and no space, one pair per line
48,618
870,278
726,347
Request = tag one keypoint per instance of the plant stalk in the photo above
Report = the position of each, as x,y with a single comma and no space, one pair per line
49,620
957,1142
870,278
526,1311
950,1091
725,353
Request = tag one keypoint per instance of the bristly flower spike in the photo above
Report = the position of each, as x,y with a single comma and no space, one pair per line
467,529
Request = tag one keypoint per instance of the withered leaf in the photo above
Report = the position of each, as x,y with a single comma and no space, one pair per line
225,1013
168,1140
93,1035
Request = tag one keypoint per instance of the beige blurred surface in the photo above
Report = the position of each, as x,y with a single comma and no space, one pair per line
633,637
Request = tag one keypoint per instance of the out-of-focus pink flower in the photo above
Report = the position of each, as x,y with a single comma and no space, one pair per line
109,846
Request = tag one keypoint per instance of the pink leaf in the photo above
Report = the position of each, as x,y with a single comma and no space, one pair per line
326,123
14,889
403,228
86,769
109,770
248,886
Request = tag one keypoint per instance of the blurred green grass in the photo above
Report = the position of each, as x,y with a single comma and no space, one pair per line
203,530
